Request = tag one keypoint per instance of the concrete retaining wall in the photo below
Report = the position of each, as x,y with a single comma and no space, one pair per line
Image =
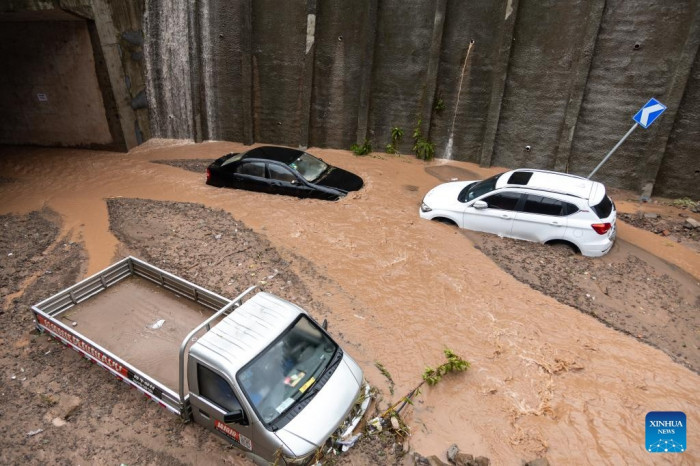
563,78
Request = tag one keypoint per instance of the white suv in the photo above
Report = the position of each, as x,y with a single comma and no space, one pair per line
535,205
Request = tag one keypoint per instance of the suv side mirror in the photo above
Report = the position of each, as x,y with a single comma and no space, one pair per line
480,205
235,417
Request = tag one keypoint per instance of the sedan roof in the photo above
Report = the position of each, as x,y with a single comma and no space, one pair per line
280,154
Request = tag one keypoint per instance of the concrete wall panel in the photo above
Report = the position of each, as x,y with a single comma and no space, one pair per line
636,54
480,21
547,35
222,86
341,34
679,175
168,69
401,56
49,93
279,42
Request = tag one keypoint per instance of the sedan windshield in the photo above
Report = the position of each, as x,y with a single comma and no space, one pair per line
274,381
309,166
475,190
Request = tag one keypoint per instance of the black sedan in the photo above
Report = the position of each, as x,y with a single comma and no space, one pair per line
280,170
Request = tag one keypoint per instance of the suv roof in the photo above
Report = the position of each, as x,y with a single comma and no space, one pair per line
555,182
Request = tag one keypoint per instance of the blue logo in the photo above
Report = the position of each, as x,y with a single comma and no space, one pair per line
665,432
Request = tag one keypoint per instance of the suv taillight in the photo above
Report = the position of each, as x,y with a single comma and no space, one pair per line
601,228
208,174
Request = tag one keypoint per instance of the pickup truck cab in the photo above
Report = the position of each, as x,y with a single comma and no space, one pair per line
258,371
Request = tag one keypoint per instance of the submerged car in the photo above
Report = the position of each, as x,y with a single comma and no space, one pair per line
281,170
535,205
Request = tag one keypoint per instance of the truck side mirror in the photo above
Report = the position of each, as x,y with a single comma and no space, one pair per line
235,417
324,325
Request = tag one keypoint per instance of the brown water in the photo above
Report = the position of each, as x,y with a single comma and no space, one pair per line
544,377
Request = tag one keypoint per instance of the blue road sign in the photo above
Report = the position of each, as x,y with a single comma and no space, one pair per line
649,113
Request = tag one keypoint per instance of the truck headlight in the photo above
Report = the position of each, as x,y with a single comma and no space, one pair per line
424,207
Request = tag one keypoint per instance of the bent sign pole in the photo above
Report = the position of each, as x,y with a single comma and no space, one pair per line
644,118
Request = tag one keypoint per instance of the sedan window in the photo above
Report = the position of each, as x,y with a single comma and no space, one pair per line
504,201
252,169
280,173
543,205
309,166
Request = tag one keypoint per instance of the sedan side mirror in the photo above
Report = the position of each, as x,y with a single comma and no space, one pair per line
235,417
480,205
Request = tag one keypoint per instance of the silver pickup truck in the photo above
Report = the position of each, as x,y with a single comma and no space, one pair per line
257,370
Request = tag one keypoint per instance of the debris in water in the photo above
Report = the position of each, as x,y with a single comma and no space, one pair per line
58,422
158,324
349,443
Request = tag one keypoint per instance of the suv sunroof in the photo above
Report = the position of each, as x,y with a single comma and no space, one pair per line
520,178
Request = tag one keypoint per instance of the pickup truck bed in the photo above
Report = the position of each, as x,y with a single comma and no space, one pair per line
124,320
108,318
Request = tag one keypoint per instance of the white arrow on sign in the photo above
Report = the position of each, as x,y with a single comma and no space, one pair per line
648,111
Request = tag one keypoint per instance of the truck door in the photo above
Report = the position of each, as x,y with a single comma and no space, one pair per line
216,400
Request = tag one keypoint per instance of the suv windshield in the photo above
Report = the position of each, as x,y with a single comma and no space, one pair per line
275,380
309,166
475,190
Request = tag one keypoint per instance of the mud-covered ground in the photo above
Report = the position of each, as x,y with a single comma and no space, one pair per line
629,290
39,413
56,408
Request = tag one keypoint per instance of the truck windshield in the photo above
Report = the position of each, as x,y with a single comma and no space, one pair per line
309,166
275,380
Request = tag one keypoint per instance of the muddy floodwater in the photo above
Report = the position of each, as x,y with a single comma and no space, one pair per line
545,379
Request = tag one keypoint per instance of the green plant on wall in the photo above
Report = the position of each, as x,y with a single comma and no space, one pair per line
439,105
396,135
424,149
363,149
422,146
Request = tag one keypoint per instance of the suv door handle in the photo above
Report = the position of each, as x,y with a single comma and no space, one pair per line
555,223
505,215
